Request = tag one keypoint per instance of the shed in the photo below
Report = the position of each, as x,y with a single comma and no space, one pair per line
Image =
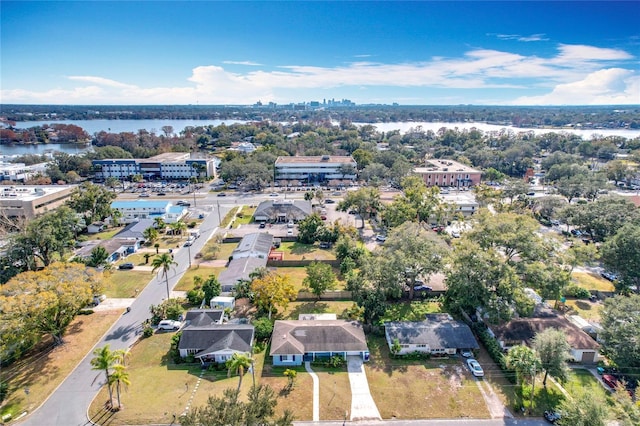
223,302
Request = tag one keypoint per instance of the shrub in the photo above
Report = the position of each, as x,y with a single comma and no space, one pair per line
263,328
577,292
174,353
494,349
147,331
85,311
195,296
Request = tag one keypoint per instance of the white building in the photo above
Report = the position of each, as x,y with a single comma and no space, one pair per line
464,202
133,211
27,201
315,168
170,165
20,172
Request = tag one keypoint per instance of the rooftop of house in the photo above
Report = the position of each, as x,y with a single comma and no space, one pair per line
213,338
298,337
437,331
522,330
256,242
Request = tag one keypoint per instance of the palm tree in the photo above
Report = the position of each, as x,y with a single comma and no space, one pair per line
120,375
160,224
239,363
178,227
163,261
116,215
122,355
150,234
103,360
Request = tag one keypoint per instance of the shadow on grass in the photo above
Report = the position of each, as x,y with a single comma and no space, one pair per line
301,249
309,308
582,305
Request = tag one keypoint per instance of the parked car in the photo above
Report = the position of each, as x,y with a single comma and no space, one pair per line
289,232
273,194
169,325
126,266
475,367
467,353
144,194
329,201
325,245
610,380
608,275
262,225
422,287
221,194
160,194
290,224
552,416
381,238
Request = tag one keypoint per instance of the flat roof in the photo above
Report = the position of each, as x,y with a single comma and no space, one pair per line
139,204
437,165
299,159
30,192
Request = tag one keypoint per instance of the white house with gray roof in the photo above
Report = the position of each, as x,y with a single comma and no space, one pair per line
438,334
281,210
251,253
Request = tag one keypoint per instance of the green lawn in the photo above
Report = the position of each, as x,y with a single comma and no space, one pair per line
297,274
123,284
585,308
105,235
333,307
581,380
420,389
592,282
186,282
299,251
410,311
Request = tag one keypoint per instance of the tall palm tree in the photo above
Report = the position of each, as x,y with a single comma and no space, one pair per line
160,224
150,234
178,227
119,376
103,360
163,261
238,363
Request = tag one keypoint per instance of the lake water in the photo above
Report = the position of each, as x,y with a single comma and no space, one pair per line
118,126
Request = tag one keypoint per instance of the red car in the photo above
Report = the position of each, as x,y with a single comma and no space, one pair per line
610,381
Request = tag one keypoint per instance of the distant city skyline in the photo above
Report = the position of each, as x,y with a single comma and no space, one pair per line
410,53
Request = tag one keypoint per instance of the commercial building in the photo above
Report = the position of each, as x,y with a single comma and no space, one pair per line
133,211
28,201
315,169
20,172
448,173
170,165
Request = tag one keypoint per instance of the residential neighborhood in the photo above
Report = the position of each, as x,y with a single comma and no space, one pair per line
351,295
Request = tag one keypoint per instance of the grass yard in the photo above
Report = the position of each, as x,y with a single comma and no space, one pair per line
585,308
245,216
592,282
411,311
298,251
297,274
186,282
299,400
42,372
580,380
334,307
123,284
105,235
160,388
407,389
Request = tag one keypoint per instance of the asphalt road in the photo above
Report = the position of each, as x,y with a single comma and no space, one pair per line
68,404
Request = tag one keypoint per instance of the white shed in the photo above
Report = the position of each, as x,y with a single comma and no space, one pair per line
223,302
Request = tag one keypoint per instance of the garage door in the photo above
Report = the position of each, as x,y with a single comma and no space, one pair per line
588,357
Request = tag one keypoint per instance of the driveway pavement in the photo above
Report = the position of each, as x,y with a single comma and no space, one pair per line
362,405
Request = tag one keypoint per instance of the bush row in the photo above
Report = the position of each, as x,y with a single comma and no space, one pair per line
494,349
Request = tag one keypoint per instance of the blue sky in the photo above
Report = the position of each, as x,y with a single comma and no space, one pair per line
412,53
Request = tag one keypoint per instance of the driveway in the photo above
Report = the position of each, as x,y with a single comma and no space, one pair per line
362,405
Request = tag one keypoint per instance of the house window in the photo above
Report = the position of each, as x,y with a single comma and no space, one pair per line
191,351
421,346
404,346
286,358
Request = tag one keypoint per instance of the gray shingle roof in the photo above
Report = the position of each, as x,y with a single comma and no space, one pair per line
438,333
135,230
257,243
299,337
239,269
214,338
204,317
291,209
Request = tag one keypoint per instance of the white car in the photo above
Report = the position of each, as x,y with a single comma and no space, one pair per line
289,232
475,367
169,325
381,238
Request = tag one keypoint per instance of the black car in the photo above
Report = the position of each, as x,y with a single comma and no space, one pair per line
161,194
262,224
126,266
221,194
329,201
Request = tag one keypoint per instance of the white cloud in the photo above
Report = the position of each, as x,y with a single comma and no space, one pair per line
518,37
248,63
577,74
605,87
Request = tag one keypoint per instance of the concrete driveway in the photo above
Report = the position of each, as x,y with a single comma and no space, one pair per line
362,405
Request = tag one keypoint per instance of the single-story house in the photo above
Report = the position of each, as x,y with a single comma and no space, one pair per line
135,230
522,330
96,227
256,244
216,343
117,248
132,211
438,334
237,270
282,211
203,317
294,342
223,302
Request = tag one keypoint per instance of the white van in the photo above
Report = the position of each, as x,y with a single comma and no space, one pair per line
169,325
